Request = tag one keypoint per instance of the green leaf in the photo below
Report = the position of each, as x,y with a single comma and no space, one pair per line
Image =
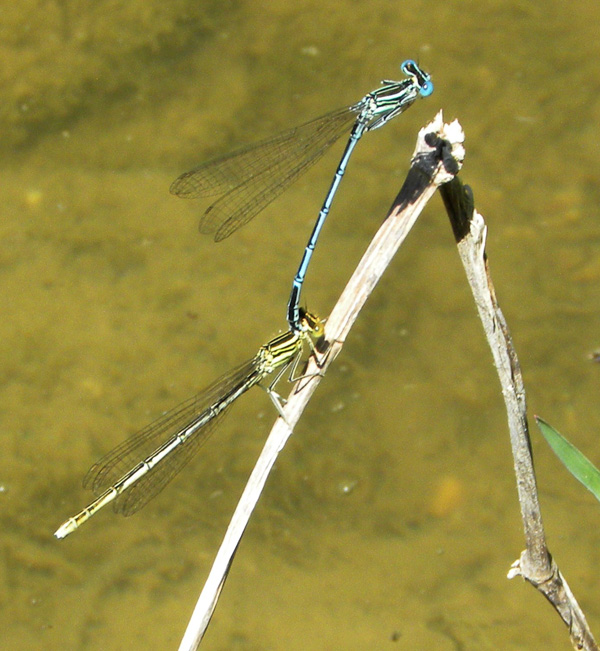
576,463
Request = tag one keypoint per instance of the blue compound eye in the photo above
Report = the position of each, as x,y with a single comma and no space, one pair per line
405,67
426,89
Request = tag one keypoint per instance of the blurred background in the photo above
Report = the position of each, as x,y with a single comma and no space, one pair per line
391,518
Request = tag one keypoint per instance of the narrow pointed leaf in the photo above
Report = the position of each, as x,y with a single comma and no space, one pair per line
576,463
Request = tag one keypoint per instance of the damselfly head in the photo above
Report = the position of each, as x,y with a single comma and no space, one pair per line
311,324
419,76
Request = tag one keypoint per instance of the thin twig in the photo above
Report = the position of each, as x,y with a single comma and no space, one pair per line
535,564
438,156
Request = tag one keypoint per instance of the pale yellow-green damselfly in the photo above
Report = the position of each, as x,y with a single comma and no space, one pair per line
139,468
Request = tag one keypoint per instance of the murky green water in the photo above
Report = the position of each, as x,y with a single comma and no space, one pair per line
114,309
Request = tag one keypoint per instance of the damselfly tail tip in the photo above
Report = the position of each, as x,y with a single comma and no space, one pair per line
65,529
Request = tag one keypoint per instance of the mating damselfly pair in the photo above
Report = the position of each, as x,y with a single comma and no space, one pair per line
248,179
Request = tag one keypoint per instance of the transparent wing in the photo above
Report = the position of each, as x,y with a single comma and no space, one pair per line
251,177
151,484
140,447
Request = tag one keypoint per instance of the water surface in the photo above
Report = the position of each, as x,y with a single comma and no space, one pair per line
391,519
